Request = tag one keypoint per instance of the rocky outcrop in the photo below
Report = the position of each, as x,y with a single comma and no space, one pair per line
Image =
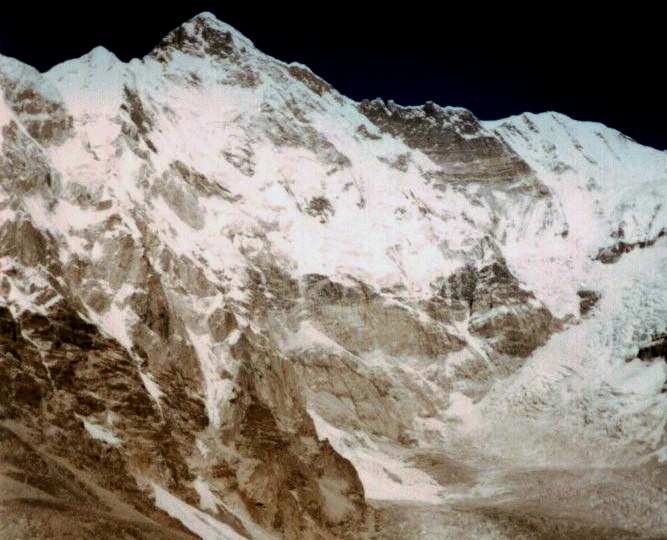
43,117
202,37
291,482
657,348
361,320
59,378
24,164
613,253
453,138
307,77
140,123
587,300
197,38
496,308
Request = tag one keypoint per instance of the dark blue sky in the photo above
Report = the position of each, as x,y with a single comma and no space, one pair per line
607,66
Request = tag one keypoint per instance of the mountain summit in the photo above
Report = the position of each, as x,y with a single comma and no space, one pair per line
237,304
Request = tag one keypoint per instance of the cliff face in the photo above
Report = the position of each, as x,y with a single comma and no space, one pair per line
234,303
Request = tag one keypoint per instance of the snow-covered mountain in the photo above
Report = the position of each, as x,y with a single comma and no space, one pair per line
237,304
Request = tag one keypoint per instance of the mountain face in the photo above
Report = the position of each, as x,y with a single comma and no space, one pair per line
236,304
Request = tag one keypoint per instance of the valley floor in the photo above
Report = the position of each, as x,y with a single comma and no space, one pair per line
531,504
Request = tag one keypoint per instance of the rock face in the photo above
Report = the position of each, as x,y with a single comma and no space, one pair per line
452,138
236,304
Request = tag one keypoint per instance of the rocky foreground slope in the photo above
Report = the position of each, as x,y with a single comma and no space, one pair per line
236,304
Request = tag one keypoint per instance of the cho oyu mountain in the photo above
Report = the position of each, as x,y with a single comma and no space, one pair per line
237,304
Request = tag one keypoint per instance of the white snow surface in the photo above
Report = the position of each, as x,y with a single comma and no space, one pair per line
584,385
200,523
207,499
100,433
601,181
384,475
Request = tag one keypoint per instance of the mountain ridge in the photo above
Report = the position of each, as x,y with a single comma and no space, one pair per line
300,304
207,17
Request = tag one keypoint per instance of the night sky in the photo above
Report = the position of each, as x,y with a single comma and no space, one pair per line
606,67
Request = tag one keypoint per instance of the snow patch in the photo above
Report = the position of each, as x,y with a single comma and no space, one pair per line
201,446
463,410
200,523
207,500
309,337
100,433
214,361
151,386
383,475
